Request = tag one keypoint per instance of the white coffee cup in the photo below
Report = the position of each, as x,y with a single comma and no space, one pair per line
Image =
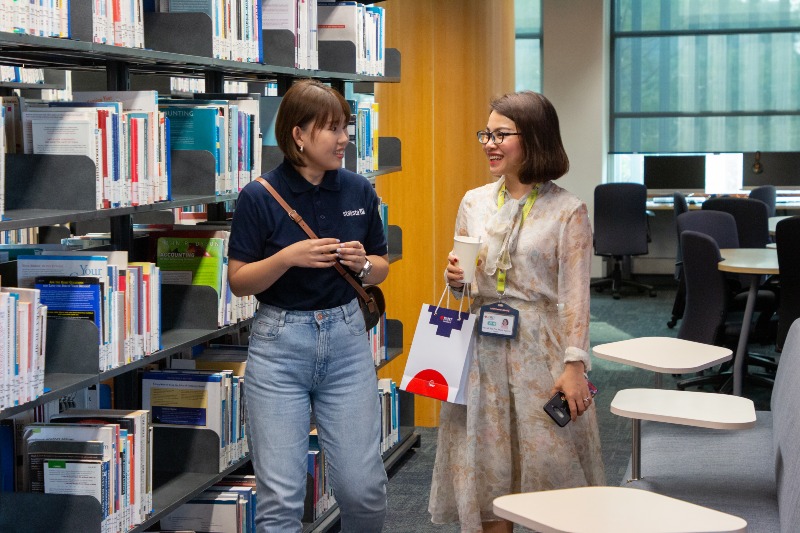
466,249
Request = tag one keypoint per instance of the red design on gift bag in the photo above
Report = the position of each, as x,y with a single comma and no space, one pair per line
429,383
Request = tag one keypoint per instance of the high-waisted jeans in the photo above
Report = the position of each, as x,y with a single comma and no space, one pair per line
300,359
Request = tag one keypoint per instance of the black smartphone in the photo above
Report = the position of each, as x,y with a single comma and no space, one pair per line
558,408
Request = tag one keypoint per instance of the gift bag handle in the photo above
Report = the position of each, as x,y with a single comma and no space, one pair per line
467,293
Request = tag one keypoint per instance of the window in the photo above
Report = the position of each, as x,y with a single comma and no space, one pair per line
705,76
528,45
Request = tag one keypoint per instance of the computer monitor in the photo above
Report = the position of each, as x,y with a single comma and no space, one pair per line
781,169
665,174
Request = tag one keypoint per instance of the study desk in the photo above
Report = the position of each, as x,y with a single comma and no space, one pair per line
663,355
753,262
700,409
773,222
612,510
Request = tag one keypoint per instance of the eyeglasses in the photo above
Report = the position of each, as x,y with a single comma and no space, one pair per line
497,137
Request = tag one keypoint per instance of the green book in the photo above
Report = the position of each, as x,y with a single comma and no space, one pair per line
191,261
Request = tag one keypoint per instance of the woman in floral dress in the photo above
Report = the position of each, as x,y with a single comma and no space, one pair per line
535,260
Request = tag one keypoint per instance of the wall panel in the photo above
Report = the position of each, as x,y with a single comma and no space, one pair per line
456,55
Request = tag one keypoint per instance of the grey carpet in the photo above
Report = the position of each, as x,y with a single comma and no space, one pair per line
635,315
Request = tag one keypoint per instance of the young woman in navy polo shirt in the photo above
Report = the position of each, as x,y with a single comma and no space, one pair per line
308,347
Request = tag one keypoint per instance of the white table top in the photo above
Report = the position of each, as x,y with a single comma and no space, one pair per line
663,354
700,409
773,221
749,260
612,510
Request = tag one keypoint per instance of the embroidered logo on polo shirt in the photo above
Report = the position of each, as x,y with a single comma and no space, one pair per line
354,212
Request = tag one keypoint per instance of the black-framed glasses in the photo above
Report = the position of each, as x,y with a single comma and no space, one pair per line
497,137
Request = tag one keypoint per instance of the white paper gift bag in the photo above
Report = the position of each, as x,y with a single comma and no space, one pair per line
439,360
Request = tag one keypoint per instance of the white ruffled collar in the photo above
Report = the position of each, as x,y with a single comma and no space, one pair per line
502,231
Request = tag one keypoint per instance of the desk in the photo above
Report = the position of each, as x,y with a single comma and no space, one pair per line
700,409
665,355
754,262
611,510
773,221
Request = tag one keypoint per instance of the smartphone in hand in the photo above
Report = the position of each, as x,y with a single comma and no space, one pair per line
558,407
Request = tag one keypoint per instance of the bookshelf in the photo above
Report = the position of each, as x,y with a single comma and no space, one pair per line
46,190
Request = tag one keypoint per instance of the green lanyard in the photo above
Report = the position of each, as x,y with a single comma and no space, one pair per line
501,199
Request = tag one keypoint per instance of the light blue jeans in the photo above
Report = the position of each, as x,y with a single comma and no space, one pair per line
300,359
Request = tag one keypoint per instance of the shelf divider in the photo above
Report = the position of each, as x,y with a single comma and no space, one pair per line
39,181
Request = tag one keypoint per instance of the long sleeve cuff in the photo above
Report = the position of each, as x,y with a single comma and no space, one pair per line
574,354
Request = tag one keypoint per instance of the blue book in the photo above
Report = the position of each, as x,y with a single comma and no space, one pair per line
194,128
7,456
73,297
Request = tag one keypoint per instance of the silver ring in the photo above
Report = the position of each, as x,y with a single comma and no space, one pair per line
586,400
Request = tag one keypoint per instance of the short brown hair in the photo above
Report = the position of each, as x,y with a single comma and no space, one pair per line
535,117
305,102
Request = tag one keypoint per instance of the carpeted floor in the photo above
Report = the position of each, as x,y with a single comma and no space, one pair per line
635,315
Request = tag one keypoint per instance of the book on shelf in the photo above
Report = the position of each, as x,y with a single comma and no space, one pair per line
76,468
65,131
234,25
300,18
22,350
390,431
246,494
191,398
10,252
319,492
109,123
221,512
73,297
344,21
137,425
248,153
8,457
3,150
195,261
29,267
45,441
143,137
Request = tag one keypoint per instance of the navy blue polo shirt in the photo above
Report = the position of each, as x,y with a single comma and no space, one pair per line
343,206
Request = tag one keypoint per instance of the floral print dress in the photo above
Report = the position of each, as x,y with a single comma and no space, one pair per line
502,441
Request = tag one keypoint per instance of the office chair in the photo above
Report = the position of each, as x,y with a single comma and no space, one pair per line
751,217
718,225
708,301
787,237
621,230
767,194
679,207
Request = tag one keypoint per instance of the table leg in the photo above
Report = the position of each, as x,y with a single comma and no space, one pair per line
636,450
741,348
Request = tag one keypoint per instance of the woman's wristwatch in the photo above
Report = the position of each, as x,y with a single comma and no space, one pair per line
366,270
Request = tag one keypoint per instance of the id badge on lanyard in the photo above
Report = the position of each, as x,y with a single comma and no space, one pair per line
499,319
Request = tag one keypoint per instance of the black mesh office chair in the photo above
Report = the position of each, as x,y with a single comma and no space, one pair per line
708,301
707,293
752,225
679,206
721,228
767,194
620,230
751,219
787,237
